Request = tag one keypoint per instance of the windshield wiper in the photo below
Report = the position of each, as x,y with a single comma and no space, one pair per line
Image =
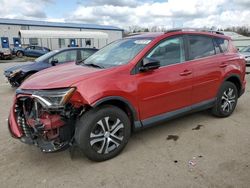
94,65
88,64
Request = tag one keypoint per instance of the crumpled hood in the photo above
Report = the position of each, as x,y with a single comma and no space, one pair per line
59,76
24,67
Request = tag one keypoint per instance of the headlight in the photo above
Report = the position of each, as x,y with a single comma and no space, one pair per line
15,72
53,98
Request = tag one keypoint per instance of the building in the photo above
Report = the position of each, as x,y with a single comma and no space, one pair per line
15,32
239,41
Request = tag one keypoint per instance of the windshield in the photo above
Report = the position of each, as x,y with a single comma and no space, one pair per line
245,49
117,53
46,56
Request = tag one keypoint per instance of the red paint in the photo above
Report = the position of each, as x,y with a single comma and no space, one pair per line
150,93
50,121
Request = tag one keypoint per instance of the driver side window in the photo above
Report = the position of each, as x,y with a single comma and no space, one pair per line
66,56
170,51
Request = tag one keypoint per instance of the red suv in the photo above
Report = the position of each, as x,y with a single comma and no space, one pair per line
130,84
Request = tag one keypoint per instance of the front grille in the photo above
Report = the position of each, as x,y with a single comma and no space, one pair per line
20,115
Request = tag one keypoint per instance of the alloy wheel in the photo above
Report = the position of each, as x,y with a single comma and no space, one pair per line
228,100
107,135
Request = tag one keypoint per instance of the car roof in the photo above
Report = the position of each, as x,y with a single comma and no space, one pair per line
180,31
146,35
76,48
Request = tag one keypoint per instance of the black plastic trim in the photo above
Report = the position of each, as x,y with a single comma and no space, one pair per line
125,101
238,77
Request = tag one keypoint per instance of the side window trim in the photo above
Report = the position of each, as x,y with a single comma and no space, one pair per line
186,47
78,55
215,44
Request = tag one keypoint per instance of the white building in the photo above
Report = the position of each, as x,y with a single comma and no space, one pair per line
14,32
239,41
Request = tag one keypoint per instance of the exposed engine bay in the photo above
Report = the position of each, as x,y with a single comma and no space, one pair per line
51,129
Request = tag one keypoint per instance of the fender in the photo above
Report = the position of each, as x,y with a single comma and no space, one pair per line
233,75
137,122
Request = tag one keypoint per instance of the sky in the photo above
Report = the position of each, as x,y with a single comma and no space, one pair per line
127,13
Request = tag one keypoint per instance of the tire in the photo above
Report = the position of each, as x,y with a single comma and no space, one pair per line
226,100
103,133
19,54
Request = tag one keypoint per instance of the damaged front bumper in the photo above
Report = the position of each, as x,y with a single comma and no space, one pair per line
31,121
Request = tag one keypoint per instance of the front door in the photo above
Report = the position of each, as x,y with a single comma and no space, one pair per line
168,88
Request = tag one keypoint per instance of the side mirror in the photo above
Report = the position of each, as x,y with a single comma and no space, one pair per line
54,62
149,64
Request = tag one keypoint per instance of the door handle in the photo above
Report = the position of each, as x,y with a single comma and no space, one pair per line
223,65
186,73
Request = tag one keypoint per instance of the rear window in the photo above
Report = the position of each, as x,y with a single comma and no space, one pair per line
200,46
222,43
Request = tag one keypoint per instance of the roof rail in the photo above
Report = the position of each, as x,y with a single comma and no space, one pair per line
194,29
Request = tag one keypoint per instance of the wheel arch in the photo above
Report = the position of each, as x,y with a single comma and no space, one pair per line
235,79
123,104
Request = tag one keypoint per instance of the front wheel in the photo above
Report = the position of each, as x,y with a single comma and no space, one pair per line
103,133
226,100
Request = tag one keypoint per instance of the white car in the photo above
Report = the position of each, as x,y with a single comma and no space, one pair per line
246,53
5,53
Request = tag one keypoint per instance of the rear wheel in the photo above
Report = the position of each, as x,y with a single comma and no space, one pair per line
103,133
226,100
19,54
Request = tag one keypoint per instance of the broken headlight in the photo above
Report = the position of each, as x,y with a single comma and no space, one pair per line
53,98
14,73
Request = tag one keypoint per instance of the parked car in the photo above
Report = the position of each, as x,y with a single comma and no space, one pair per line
130,84
30,51
246,53
17,74
1,55
5,53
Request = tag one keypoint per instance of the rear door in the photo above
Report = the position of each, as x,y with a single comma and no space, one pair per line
206,67
168,88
